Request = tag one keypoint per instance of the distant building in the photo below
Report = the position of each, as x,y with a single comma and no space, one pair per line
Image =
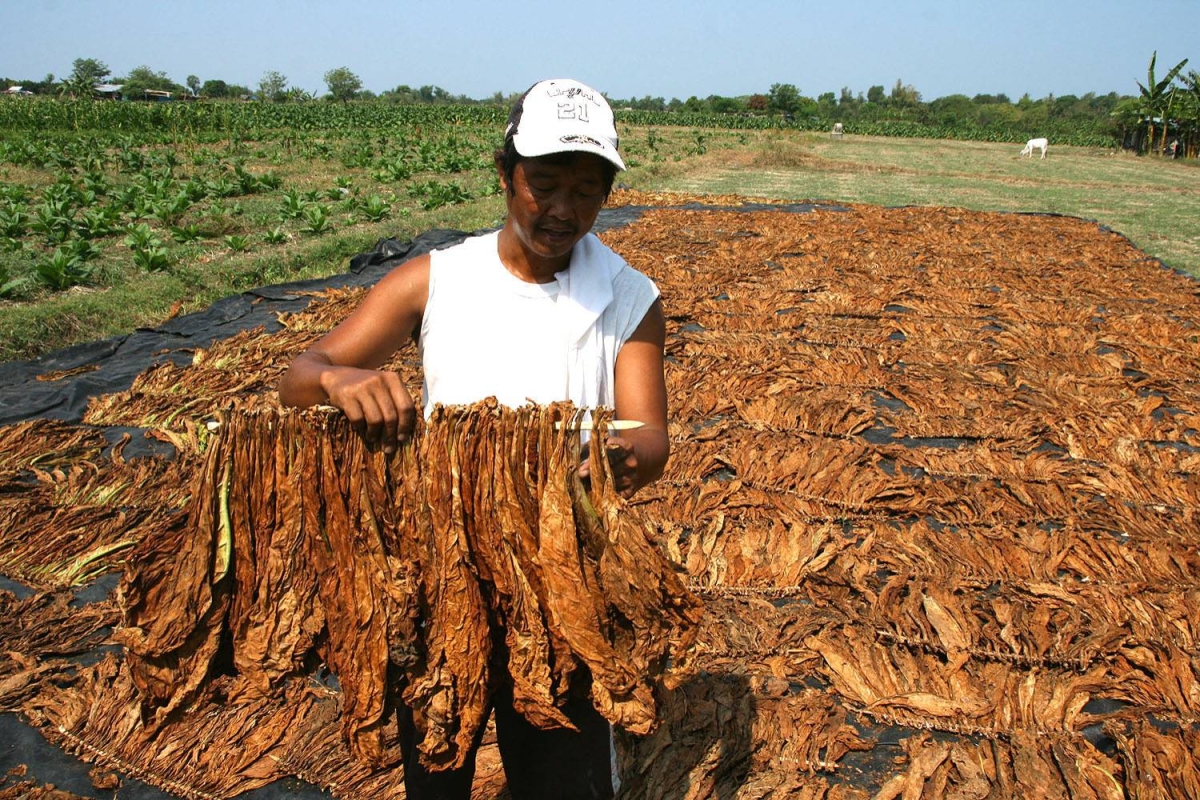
107,91
16,91
158,96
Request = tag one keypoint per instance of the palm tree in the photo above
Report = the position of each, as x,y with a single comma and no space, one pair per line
77,86
1191,111
1156,96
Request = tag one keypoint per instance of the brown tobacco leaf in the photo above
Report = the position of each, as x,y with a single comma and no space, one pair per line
448,694
536,666
104,780
279,617
657,619
1164,763
234,742
402,572
39,634
570,571
925,758
175,594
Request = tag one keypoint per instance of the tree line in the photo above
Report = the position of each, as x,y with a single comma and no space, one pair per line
1163,118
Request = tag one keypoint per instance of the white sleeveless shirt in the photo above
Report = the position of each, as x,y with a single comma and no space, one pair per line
487,333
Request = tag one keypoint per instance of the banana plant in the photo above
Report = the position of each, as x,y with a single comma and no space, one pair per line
1156,97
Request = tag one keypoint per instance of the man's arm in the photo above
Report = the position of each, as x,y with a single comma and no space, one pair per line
639,456
343,367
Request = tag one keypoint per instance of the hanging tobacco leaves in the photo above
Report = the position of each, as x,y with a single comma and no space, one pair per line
301,543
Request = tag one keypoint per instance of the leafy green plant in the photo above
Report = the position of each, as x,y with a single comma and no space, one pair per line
275,236
168,211
141,237
82,249
222,186
139,206
152,259
434,194
54,220
13,193
293,205
316,220
393,169
132,160
148,251
63,269
454,159
14,221
11,285
187,233
195,189
98,221
269,181
248,183
375,208
237,243
96,182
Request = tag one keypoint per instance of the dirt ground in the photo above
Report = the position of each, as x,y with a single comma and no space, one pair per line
933,474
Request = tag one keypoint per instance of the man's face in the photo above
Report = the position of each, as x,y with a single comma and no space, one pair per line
553,202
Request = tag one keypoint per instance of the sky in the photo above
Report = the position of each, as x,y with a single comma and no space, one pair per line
624,48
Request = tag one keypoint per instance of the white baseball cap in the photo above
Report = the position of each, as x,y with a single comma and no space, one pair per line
562,115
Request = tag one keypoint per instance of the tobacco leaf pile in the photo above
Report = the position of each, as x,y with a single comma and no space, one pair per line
934,475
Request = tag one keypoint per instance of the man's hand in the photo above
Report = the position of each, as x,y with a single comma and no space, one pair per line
375,402
623,459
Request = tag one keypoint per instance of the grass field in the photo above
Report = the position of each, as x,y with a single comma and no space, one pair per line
1155,203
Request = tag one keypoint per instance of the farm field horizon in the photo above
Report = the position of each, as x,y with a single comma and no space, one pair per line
178,224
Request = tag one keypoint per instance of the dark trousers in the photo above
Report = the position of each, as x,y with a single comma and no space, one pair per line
538,764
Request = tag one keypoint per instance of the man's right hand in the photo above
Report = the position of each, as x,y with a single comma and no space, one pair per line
375,402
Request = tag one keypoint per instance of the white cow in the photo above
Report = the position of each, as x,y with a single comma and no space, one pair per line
1040,143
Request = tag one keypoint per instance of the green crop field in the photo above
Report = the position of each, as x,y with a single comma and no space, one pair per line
124,214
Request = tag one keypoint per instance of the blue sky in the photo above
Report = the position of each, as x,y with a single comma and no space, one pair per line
624,48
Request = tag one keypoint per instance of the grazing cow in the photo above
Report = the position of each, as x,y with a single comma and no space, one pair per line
1040,144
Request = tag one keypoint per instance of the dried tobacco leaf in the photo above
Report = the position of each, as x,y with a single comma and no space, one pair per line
401,573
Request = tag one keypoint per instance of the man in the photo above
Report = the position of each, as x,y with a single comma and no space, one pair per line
539,311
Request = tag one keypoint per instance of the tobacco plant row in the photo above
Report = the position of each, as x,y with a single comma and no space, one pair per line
158,186
96,193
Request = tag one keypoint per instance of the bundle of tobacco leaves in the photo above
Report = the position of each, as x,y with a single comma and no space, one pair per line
420,577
